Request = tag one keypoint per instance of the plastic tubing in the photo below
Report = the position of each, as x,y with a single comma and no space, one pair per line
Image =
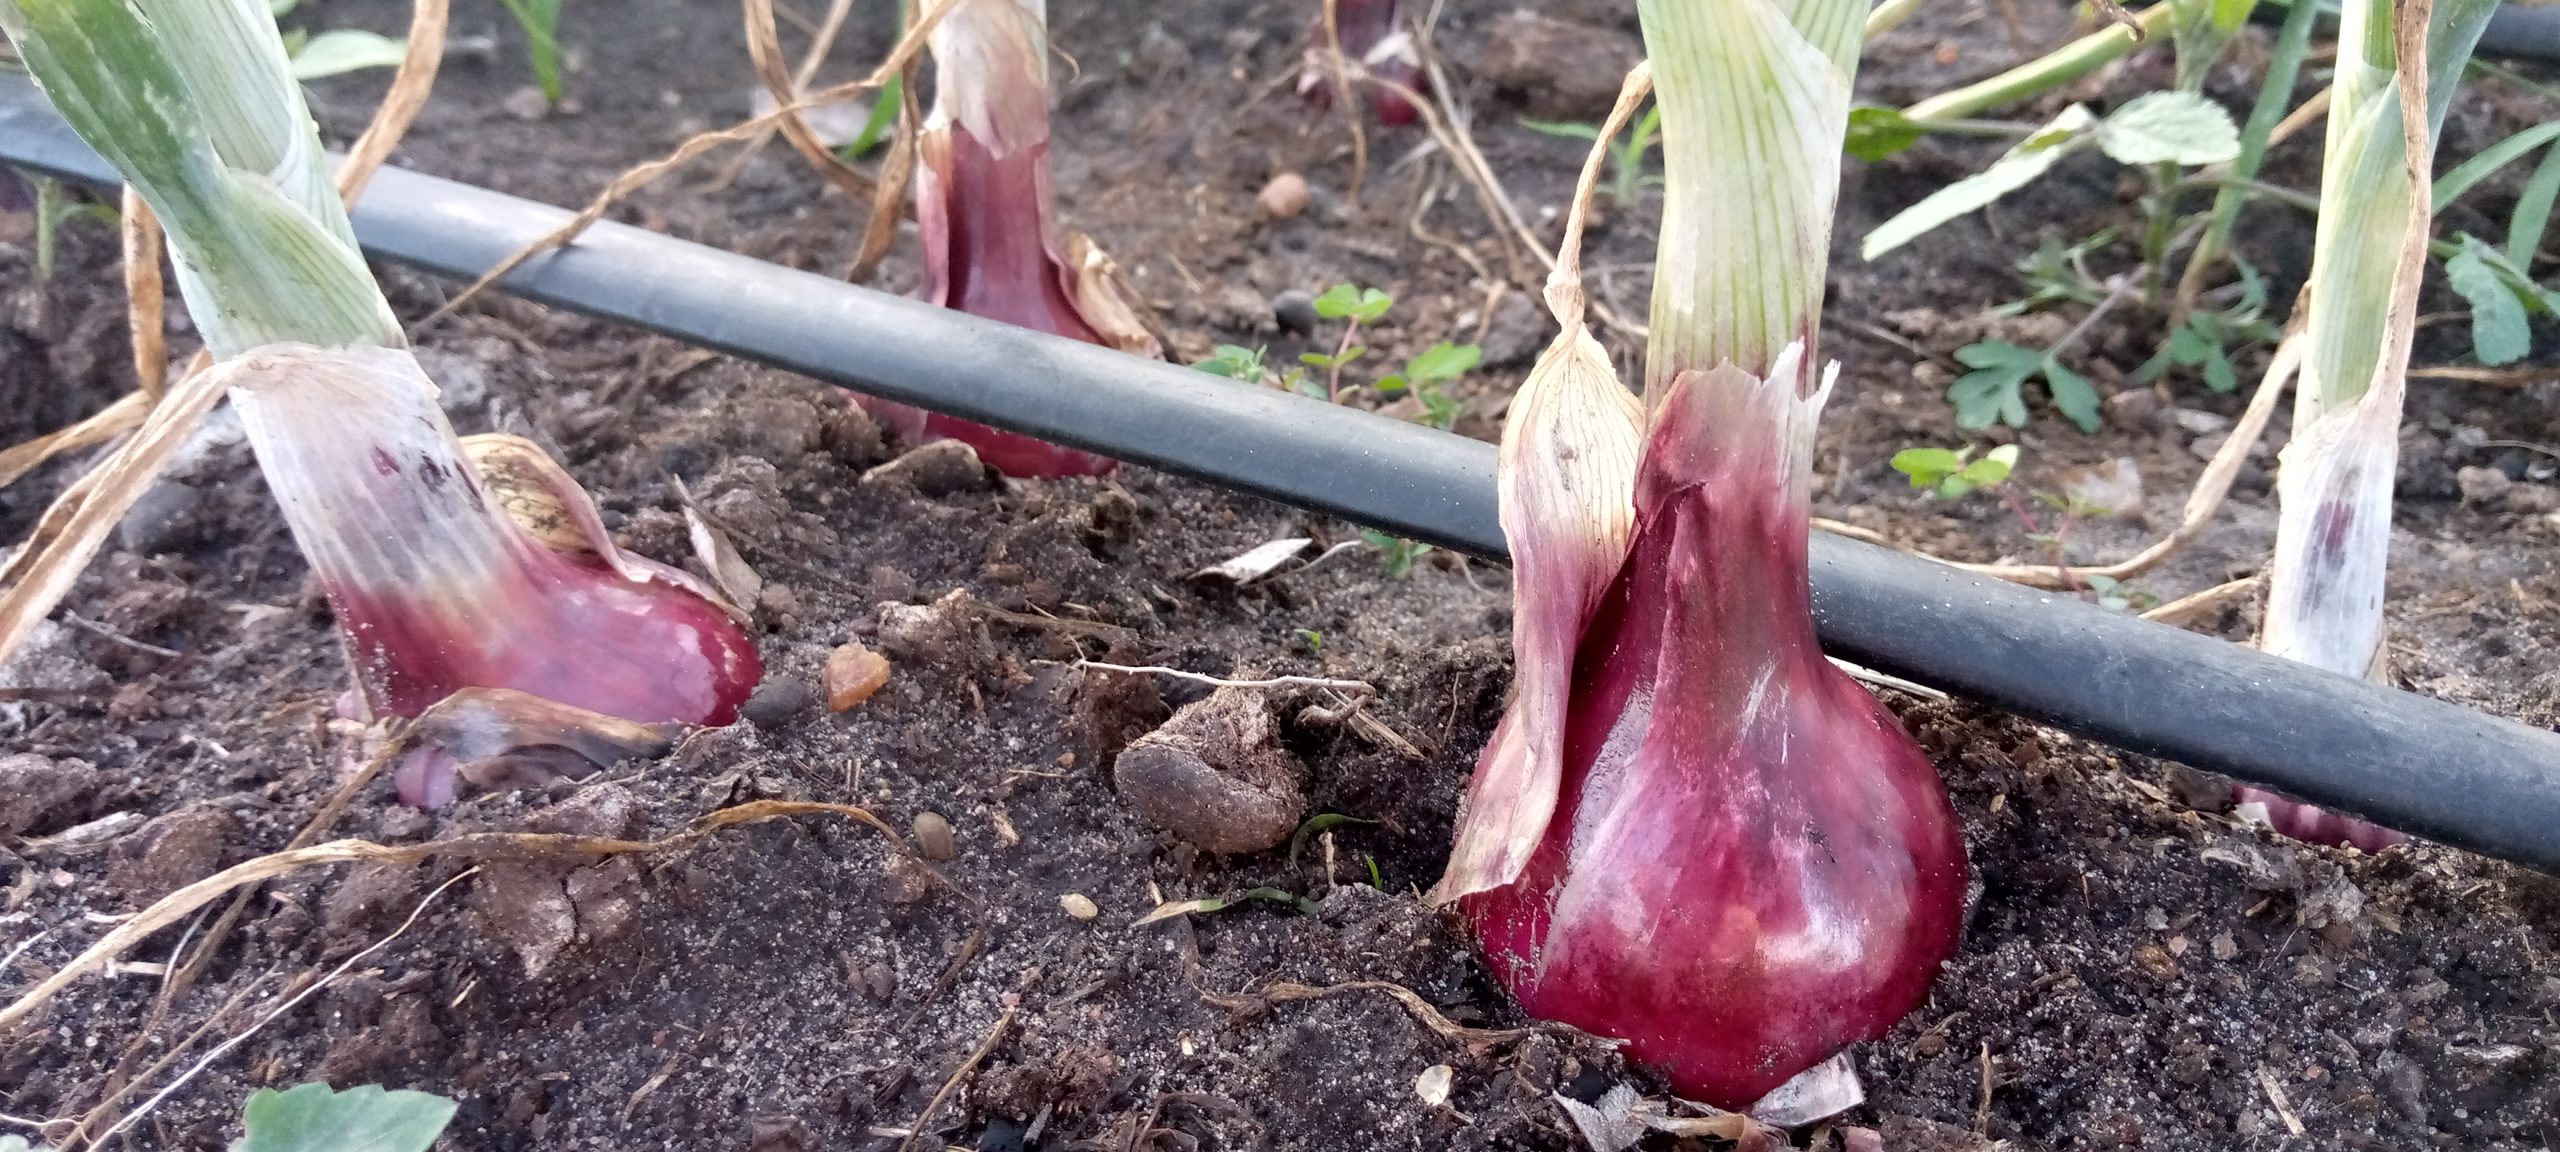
2423,766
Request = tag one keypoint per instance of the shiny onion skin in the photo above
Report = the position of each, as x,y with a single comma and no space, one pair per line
2313,824
991,214
991,245
437,589
1751,865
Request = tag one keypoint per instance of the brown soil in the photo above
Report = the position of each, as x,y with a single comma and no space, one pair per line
2136,972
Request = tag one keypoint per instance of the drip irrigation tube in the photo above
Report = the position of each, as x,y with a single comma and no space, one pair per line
2423,766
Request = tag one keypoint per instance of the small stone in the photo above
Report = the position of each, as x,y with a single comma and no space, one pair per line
1079,906
853,674
526,103
777,700
1284,197
1295,310
2224,947
1518,331
883,582
164,519
906,881
933,836
2483,487
1433,1084
937,469
880,982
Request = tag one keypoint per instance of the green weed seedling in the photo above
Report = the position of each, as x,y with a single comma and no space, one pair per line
540,20
2206,340
1628,179
1398,552
314,1118
1949,474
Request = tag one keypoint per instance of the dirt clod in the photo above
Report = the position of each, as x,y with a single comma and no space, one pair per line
40,792
1215,775
172,851
1556,68
946,633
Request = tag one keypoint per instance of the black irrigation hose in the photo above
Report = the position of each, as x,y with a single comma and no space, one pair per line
2523,32
2424,766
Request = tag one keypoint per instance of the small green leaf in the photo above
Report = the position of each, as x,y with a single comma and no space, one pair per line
1575,129
1443,361
2169,128
2072,394
1373,304
2500,333
1877,131
1391,384
311,1118
1235,362
2219,375
540,20
1993,393
2486,163
2532,215
1994,467
1927,466
884,116
2033,157
1338,301
1315,824
343,50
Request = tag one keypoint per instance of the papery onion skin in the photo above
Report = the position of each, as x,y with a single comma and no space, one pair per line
1751,865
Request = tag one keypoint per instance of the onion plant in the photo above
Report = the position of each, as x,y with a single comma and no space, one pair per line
992,247
1690,831
435,588
2333,529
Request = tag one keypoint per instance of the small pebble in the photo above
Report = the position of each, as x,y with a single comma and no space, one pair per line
1295,309
778,699
1284,197
881,981
933,836
853,674
165,519
1079,906
1433,1084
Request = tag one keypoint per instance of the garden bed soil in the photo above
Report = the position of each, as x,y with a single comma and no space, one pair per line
2138,969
